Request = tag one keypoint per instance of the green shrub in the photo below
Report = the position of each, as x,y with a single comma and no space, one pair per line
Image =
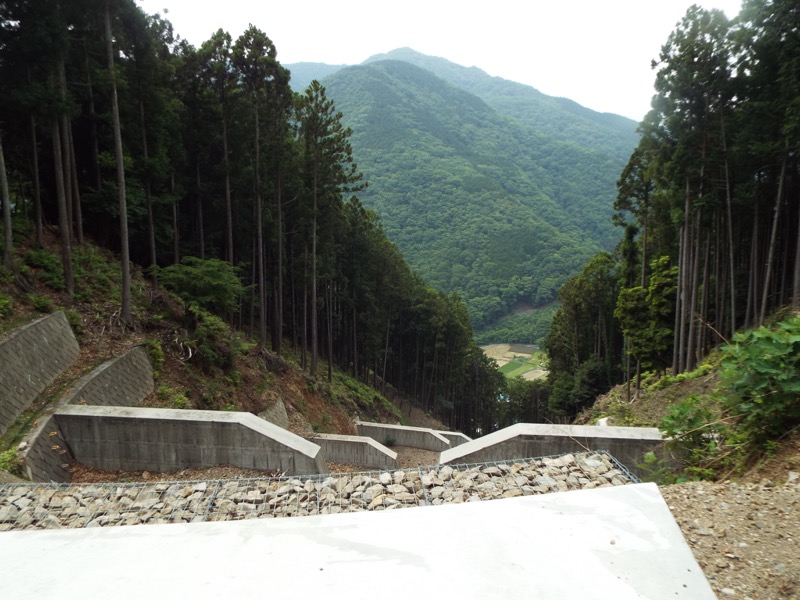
6,307
172,397
49,266
41,304
761,380
11,462
156,355
212,284
74,320
213,340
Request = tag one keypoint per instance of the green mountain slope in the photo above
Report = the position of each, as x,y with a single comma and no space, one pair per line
560,118
489,188
477,203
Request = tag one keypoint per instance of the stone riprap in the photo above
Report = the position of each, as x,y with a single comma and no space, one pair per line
31,357
51,506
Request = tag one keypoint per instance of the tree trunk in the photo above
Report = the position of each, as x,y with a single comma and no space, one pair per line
200,225
8,236
729,219
262,287
63,219
148,196
796,288
277,321
77,211
771,251
314,340
37,193
228,209
92,120
176,232
125,261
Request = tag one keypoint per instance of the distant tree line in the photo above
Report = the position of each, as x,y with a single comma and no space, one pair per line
710,207
115,129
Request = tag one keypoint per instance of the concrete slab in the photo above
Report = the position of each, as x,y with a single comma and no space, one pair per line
616,543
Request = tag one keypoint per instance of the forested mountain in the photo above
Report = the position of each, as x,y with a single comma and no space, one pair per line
559,118
479,203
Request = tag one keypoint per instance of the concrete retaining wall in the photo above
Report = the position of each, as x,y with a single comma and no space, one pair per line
47,457
276,414
31,357
627,444
156,439
123,381
456,438
400,435
356,450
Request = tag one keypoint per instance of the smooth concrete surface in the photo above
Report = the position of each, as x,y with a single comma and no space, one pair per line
456,438
159,439
356,450
626,444
619,543
403,435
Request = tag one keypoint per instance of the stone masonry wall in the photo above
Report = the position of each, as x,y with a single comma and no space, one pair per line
31,357
123,381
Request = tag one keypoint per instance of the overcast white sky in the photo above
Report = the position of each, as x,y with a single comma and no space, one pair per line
596,52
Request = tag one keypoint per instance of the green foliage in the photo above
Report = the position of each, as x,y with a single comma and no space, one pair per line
74,320
445,167
213,340
40,303
646,315
48,265
11,462
96,275
761,380
212,284
172,397
156,355
6,306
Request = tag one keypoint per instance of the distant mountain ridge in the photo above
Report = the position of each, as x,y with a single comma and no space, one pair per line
489,188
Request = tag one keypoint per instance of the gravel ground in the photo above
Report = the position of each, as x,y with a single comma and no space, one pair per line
745,536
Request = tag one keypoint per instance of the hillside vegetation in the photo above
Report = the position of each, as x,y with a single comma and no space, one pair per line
497,204
204,171
199,362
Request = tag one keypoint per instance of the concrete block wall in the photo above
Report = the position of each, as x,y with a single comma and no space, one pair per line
159,440
31,358
47,456
401,435
356,450
627,444
123,381
276,414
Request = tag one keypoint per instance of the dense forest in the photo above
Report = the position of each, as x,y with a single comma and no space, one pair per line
709,206
203,167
